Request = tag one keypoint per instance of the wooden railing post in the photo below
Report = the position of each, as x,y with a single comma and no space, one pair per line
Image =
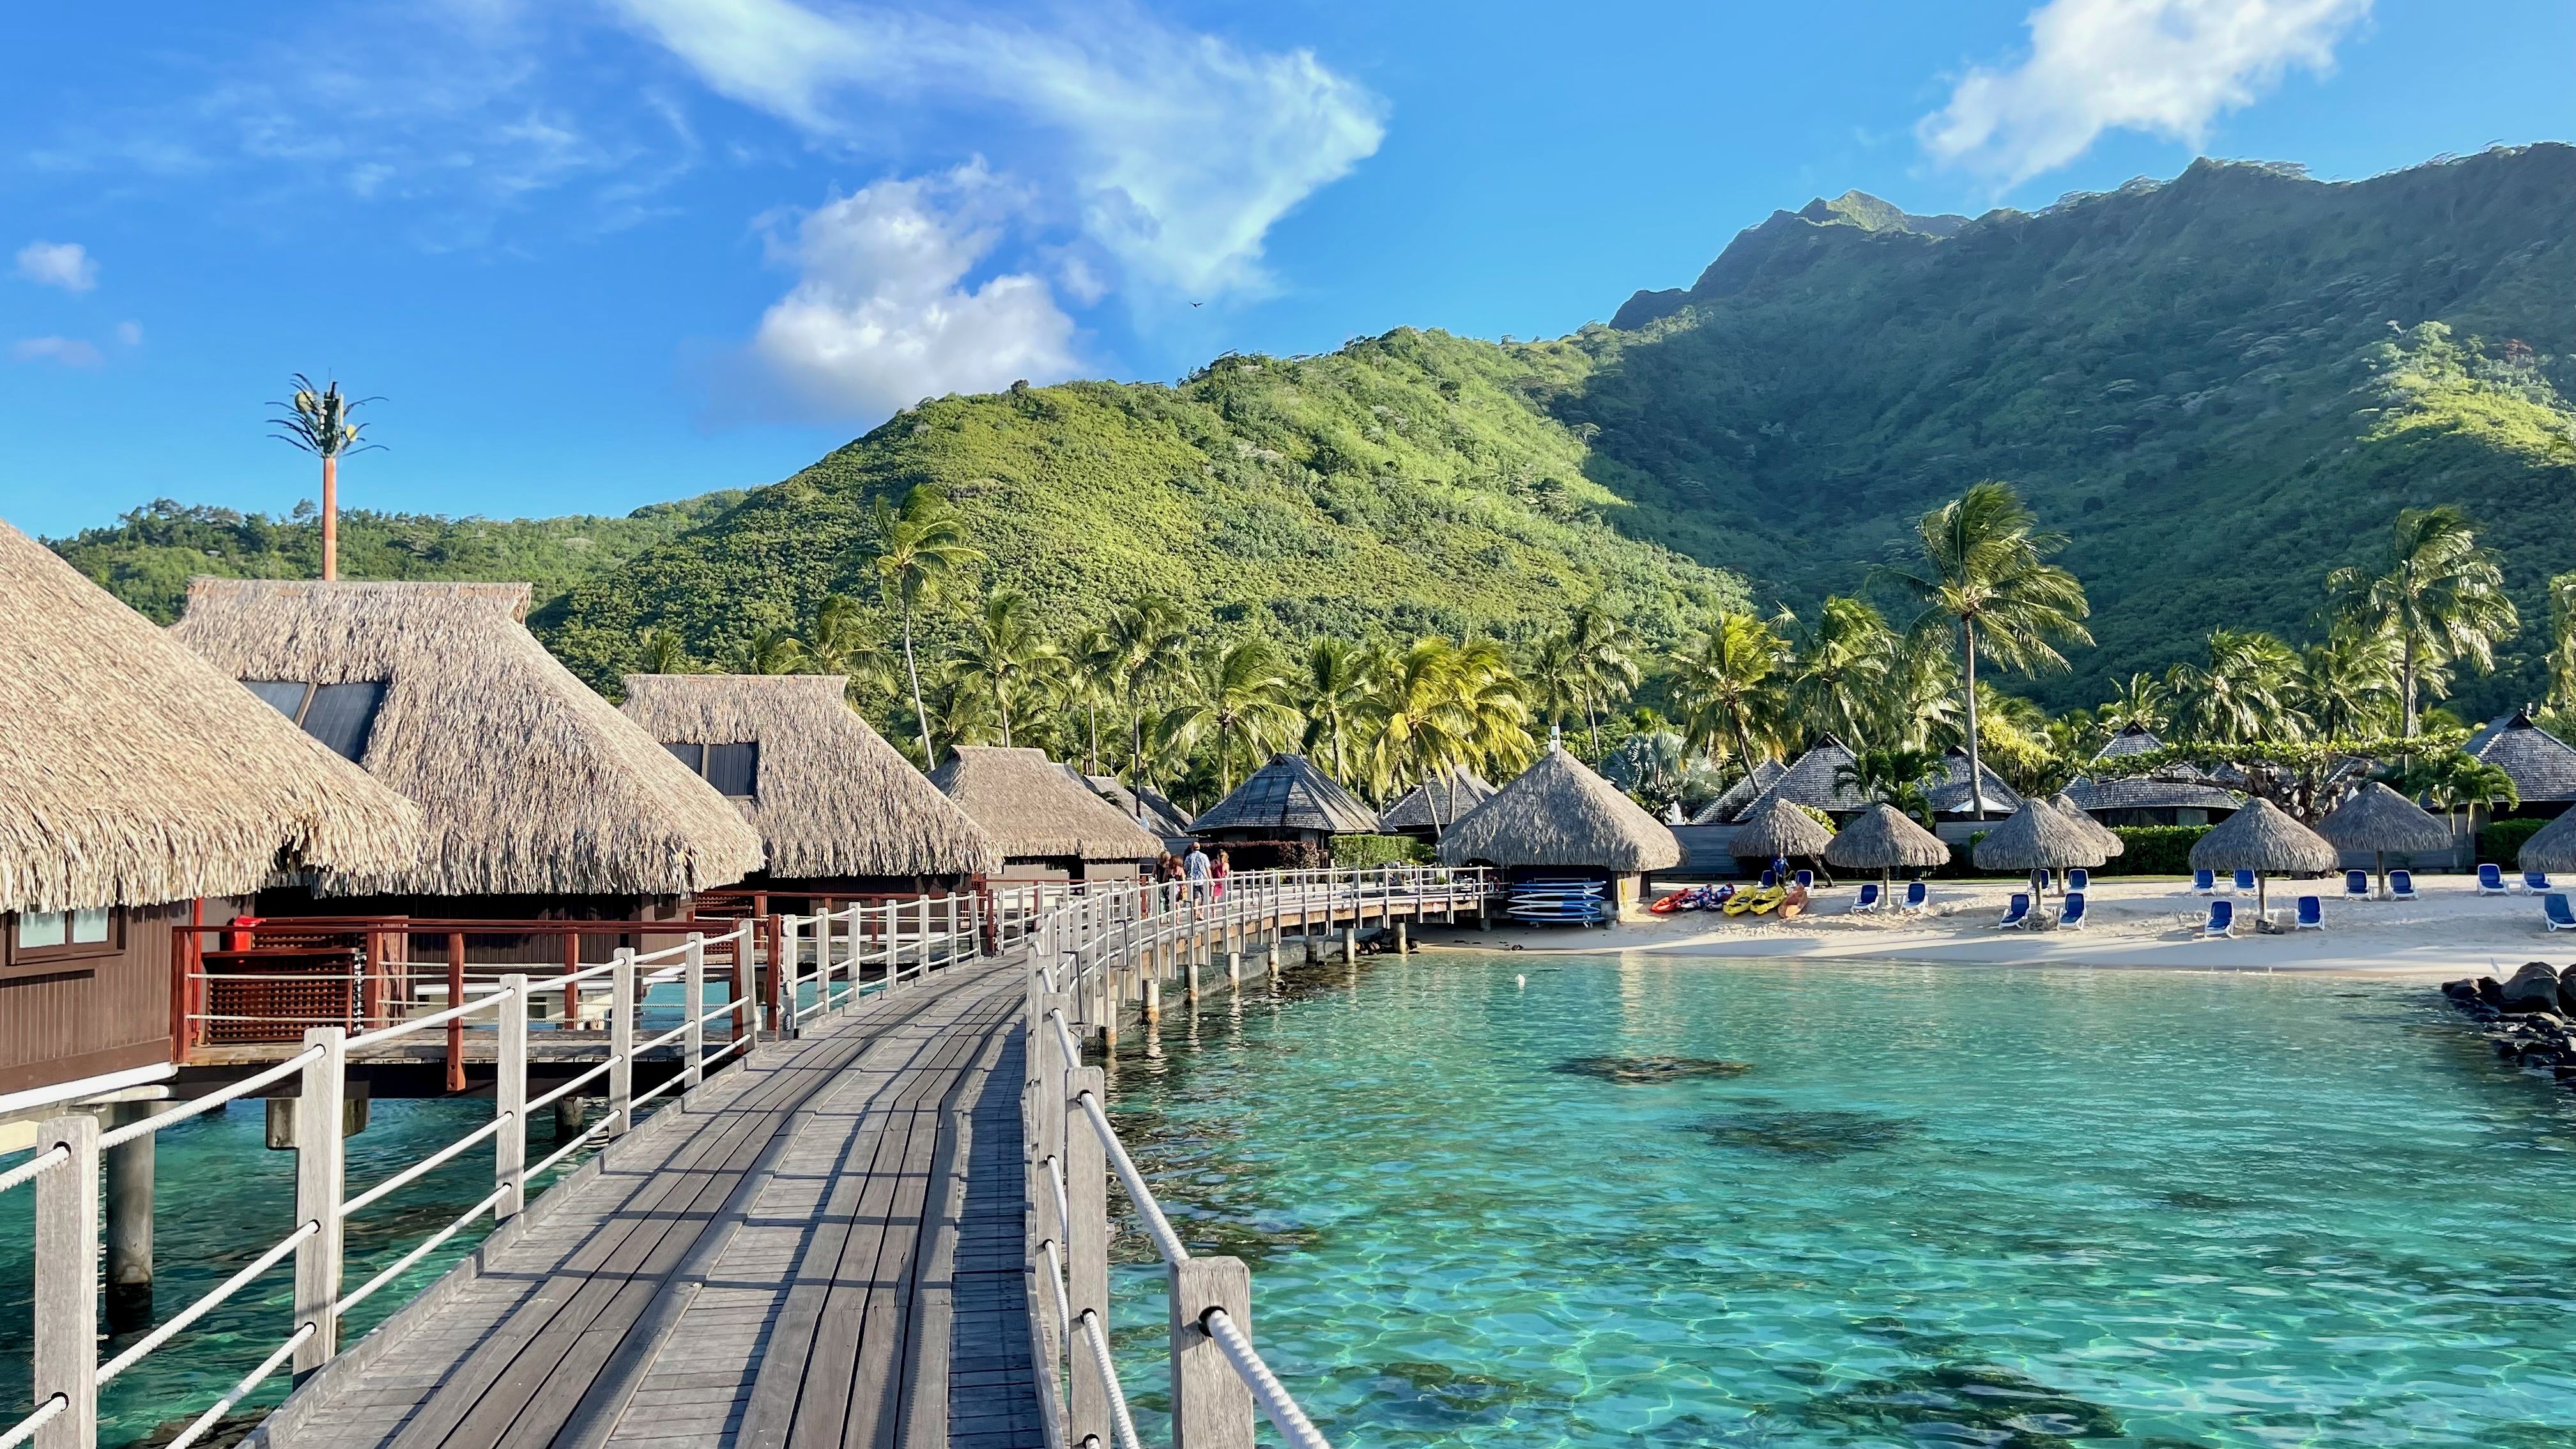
621,1043
1211,1404
510,1100
693,1042
780,961
321,1180
66,1273
456,1024
1086,1190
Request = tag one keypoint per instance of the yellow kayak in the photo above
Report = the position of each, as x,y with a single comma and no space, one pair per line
1755,902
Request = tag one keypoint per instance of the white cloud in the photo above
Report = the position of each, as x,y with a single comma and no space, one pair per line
1181,150
69,351
2166,67
67,265
884,314
130,333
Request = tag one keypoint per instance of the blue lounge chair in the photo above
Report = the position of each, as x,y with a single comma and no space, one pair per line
2401,885
2205,882
2536,881
2312,914
1917,895
1769,880
2356,885
2078,880
2072,917
1806,880
2016,913
1869,898
2554,912
2490,880
2245,880
2222,920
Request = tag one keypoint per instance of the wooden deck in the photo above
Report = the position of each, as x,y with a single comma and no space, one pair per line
821,1248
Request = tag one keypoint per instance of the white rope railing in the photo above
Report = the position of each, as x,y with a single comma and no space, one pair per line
1276,1405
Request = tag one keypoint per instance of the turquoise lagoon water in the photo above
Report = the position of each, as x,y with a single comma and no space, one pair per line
1938,1206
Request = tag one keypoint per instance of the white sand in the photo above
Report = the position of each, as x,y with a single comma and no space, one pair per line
2144,922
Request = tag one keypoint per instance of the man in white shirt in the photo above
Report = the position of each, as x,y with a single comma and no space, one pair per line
1197,866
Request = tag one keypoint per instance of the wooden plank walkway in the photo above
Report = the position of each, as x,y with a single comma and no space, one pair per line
810,1252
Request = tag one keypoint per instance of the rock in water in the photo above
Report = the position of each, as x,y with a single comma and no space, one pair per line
1639,1071
2567,994
2533,988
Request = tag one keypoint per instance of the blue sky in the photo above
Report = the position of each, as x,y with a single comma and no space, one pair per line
598,253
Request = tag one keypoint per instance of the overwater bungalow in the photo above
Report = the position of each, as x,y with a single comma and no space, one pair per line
2542,765
840,813
140,790
1560,820
2174,794
1286,809
1043,817
539,801
1430,808
1147,806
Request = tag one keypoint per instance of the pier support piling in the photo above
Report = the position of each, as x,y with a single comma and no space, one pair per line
129,1222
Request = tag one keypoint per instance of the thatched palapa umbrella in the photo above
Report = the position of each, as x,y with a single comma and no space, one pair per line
2038,837
1885,839
1778,828
2112,844
2552,846
2262,838
2379,820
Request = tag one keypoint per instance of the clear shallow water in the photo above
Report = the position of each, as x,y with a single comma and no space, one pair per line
1943,1206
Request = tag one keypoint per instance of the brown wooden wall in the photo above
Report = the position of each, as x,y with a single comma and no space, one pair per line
63,1020
491,950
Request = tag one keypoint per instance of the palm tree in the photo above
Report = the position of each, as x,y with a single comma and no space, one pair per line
1495,703
840,643
1006,660
1148,635
1722,680
2139,700
1556,684
2244,692
1234,692
2347,686
2440,594
772,651
1422,724
2455,782
317,421
1602,654
2562,642
1842,669
665,654
1985,570
1091,679
1900,776
918,545
1332,690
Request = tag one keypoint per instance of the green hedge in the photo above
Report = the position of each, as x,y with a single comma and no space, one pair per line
2501,841
1363,851
2153,849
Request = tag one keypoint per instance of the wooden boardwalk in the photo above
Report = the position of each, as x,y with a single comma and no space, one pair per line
821,1248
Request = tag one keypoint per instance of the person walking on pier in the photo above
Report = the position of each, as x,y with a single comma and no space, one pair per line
1197,866
1220,871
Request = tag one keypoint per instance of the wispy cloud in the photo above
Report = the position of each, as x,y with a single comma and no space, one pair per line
67,265
2166,67
69,351
883,313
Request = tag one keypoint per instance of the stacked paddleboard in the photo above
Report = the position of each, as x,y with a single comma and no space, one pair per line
1560,902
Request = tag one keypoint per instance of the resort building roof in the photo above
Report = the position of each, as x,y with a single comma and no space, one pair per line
2174,787
1810,780
1036,809
1731,804
1288,794
1950,794
528,782
131,773
1438,802
1560,813
1145,805
828,795
2542,765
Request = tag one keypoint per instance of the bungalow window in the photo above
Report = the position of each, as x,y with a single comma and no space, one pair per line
46,935
341,716
734,769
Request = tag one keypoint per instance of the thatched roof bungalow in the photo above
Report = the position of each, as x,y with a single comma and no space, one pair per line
1286,801
1431,807
1042,816
538,799
1950,797
1559,819
1148,807
1809,780
138,787
2176,794
1731,803
2542,765
839,812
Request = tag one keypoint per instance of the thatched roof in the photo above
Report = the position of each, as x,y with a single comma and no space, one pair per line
2542,765
2038,837
1036,809
2376,818
527,781
1777,827
832,797
2111,842
2552,846
1810,780
1883,837
2175,787
2131,740
1763,775
1560,813
1145,805
1949,794
132,774
2262,837
1289,793
1452,792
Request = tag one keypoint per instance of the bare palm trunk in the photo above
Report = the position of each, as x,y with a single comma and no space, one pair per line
2408,682
920,712
1091,737
1976,771
1743,746
330,517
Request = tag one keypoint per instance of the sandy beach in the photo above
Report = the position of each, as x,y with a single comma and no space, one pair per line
2140,923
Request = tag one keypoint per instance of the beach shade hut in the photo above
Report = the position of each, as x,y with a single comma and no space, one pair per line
2262,838
1043,817
2552,846
1885,839
1777,829
1431,807
2039,837
1559,820
140,790
1288,807
2377,819
839,812
538,800
2112,844
2542,766
1740,796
